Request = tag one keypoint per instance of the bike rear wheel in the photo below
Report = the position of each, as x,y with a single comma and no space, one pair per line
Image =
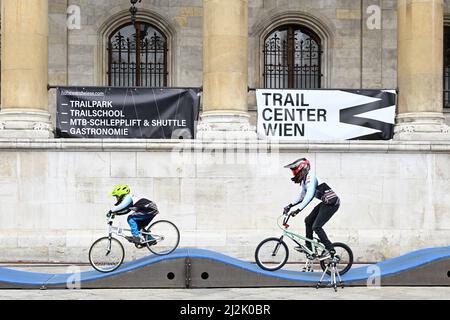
106,254
166,235
345,259
271,254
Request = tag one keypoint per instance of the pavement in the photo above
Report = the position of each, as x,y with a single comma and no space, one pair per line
362,293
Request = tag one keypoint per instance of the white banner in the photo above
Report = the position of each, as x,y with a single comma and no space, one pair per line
326,114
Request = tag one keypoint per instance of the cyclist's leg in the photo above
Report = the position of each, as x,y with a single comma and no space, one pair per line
132,221
325,214
309,222
145,221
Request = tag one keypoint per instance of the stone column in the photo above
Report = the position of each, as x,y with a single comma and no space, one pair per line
225,71
24,59
420,71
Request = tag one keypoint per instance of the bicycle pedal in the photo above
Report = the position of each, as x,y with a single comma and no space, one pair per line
323,256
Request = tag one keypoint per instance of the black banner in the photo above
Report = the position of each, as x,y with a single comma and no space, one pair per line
101,112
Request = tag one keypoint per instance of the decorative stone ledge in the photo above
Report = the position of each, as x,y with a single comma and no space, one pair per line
140,145
25,124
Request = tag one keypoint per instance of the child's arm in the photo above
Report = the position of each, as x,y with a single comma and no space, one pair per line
311,186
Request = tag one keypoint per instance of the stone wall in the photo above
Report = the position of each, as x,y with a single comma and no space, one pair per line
54,194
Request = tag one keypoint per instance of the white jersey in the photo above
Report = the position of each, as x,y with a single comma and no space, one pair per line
311,188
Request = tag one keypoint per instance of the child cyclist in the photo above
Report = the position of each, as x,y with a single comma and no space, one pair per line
143,210
310,188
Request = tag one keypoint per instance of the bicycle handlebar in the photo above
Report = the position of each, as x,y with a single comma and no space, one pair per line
110,216
287,217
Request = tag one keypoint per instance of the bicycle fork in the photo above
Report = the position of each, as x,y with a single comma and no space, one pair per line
108,250
277,247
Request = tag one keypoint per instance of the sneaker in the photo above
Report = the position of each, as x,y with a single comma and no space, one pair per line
148,239
325,254
135,240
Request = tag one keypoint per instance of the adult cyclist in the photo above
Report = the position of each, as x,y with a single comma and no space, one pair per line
310,188
143,210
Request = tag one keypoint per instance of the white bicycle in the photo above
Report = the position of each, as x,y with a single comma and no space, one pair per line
107,253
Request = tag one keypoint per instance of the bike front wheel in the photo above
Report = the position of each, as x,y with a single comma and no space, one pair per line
166,237
271,254
344,256
106,254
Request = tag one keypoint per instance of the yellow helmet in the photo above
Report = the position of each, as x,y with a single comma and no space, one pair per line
120,190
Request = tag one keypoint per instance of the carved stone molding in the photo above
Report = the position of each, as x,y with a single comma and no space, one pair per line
25,124
421,126
225,126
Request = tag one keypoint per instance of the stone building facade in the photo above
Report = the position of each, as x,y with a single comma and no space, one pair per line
358,53
54,191
354,56
358,40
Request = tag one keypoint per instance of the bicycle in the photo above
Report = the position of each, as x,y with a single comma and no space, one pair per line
272,253
107,253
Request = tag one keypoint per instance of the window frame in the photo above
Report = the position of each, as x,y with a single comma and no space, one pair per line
137,74
290,28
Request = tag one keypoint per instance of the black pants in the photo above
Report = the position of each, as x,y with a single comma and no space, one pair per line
316,220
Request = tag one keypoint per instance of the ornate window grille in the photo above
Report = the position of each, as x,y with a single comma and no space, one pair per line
137,56
292,58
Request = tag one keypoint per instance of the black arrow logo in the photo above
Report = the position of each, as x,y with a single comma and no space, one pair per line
349,115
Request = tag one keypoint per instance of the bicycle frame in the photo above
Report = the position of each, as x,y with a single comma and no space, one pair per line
315,245
122,232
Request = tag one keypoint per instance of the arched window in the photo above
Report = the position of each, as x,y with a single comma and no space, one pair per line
137,56
292,58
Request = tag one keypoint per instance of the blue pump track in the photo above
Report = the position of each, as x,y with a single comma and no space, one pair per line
196,268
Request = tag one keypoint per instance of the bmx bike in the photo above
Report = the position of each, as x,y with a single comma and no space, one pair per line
107,253
273,253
